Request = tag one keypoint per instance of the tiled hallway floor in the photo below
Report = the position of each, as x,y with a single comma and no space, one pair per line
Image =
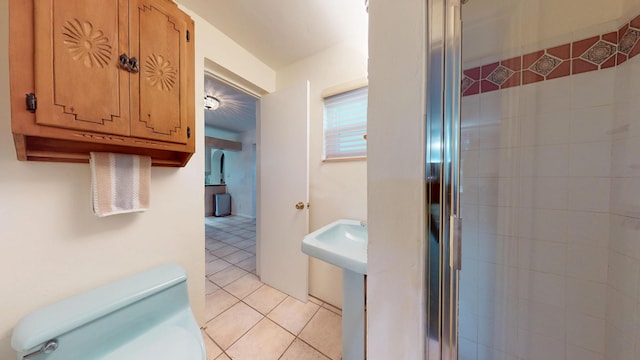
248,320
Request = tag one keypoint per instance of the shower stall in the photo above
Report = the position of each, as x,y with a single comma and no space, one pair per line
548,145
504,185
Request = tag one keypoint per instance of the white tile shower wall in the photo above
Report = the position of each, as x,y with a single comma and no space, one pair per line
537,187
622,339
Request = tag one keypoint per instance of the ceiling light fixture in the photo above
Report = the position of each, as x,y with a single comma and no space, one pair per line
211,103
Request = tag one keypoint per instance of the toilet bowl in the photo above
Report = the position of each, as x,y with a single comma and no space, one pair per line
145,316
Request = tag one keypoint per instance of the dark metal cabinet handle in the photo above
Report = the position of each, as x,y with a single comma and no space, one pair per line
129,64
124,62
133,65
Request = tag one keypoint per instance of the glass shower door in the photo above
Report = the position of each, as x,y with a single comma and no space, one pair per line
442,176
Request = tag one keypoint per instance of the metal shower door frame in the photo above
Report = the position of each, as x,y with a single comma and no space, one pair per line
443,36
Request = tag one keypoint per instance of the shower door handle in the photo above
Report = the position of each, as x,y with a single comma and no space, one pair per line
455,244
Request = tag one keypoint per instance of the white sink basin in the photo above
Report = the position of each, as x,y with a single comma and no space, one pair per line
342,243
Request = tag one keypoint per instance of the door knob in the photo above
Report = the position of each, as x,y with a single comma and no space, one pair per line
300,205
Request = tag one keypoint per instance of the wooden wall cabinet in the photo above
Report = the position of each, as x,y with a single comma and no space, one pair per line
107,75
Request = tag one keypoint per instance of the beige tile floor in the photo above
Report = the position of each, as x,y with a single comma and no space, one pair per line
248,320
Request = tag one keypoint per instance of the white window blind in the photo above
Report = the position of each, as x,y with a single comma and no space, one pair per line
345,124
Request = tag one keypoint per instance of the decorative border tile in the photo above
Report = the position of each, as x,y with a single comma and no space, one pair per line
594,53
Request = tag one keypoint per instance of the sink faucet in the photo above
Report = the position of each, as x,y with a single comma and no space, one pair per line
363,223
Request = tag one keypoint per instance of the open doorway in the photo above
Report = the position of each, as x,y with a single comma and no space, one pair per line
230,140
237,168
229,180
239,304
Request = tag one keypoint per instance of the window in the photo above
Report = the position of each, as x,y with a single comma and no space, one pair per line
345,124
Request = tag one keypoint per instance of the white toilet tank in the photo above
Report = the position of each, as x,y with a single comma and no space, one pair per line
145,316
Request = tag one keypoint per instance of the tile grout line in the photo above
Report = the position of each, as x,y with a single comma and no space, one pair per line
301,339
204,329
320,304
265,315
268,318
222,289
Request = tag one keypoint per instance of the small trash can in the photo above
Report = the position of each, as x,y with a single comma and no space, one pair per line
222,204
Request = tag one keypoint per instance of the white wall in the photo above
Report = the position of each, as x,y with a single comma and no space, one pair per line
499,27
221,133
53,246
396,168
623,281
630,7
535,198
551,196
239,176
336,189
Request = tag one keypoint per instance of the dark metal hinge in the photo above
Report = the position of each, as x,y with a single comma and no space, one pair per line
188,132
188,36
32,102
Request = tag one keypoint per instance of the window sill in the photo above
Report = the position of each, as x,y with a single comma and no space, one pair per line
342,159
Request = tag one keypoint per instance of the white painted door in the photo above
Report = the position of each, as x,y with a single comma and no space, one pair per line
283,176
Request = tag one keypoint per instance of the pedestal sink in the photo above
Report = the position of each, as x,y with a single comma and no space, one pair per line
344,243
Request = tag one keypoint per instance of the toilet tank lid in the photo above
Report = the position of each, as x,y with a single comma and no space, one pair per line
58,318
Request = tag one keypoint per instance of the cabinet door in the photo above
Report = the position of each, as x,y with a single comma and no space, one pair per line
159,92
78,82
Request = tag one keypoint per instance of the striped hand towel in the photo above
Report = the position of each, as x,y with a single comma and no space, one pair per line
119,183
